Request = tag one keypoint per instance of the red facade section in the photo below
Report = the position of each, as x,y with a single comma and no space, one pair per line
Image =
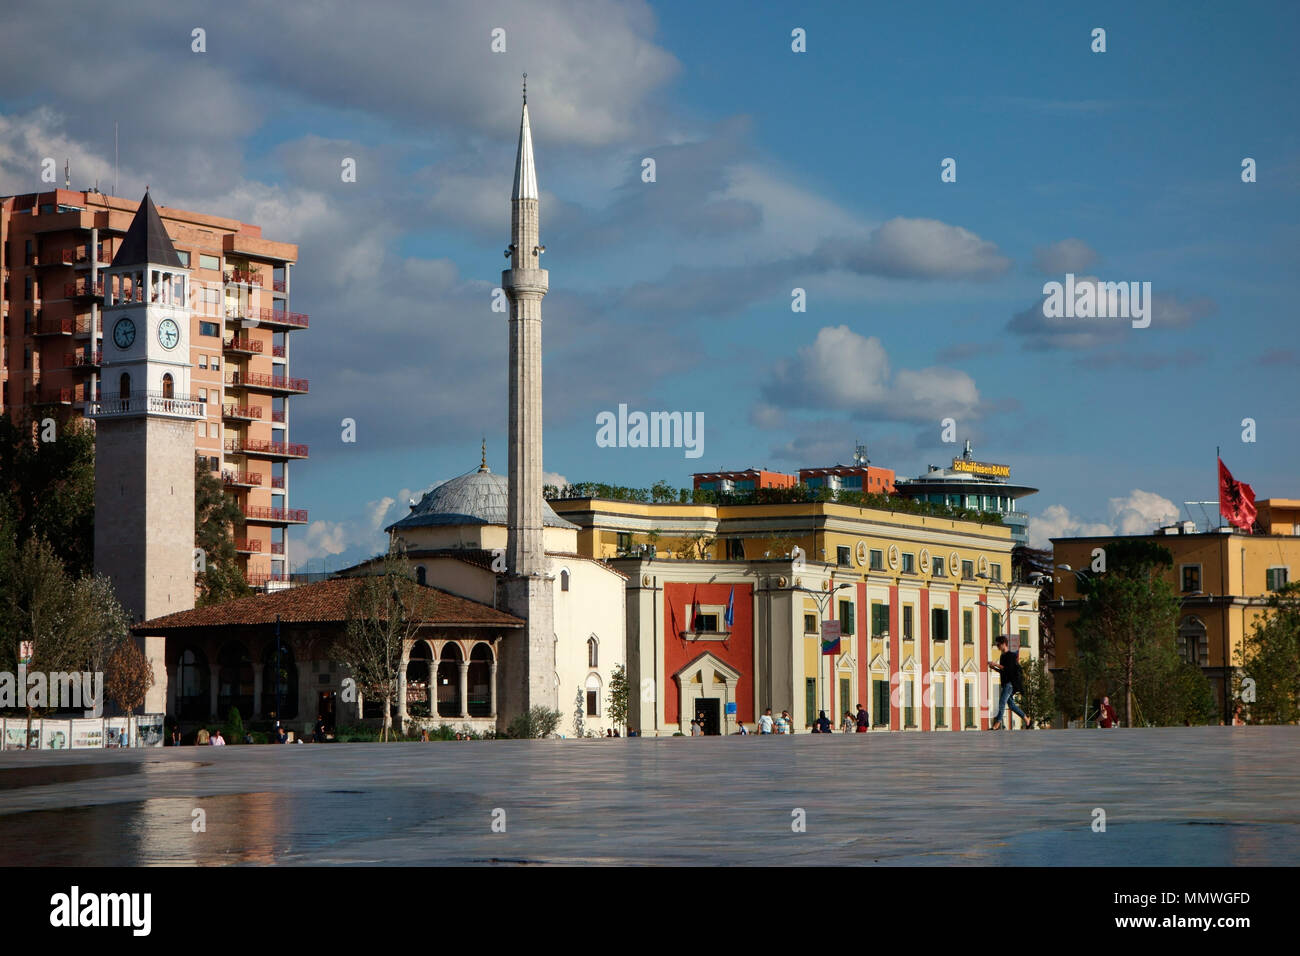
737,652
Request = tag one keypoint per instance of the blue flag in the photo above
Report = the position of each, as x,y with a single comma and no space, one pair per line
731,608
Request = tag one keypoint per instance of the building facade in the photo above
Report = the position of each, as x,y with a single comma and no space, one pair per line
725,607
975,485
1224,579
55,252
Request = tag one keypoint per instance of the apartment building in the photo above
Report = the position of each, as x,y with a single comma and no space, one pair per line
54,247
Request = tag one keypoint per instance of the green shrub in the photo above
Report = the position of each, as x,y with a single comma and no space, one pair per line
538,722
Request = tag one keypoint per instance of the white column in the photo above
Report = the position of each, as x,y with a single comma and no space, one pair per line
464,688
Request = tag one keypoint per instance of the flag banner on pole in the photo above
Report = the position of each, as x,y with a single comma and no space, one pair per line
1236,499
830,637
731,609
696,621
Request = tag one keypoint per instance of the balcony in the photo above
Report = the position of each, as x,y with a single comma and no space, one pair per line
279,285
242,277
277,415
245,413
50,396
248,546
277,547
55,326
153,403
272,317
241,343
84,361
262,580
277,351
241,479
84,289
277,481
80,257
276,515
268,449
270,383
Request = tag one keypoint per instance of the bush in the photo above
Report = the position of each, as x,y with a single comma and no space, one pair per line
234,729
538,722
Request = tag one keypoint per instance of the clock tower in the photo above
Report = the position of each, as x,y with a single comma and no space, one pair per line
144,434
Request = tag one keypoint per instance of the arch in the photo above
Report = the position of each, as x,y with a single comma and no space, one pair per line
168,385
281,675
449,700
234,680
420,574
593,695
193,698
564,579
1193,641
420,677
124,386
593,651
479,681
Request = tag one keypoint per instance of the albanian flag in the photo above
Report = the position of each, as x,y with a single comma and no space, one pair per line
1236,499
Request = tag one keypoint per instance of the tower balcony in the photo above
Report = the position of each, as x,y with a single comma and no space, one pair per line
241,413
241,479
149,403
267,383
272,318
84,289
241,344
264,449
275,515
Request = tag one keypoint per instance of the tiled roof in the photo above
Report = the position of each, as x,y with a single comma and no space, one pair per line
323,603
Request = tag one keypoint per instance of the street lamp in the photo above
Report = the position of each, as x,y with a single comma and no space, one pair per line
823,601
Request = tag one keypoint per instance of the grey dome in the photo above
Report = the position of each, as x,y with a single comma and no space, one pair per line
478,497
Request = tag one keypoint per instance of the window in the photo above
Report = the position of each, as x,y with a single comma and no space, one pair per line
936,565
909,706
1194,642
968,570
203,361
997,624
213,464
420,575
880,702
169,385
203,429
938,624
1275,579
203,395
909,564
209,328
842,556
968,627
1191,577
880,620
705,623
184,257
735,549
593,696
970,706
940,705
907,622
810,623
209,262
564,580
877,560
216,362
593,652
624,542
1024,638
846,618
995,571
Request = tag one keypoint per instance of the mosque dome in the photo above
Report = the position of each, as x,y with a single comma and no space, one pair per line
476,498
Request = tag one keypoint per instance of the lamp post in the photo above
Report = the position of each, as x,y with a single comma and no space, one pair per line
823,602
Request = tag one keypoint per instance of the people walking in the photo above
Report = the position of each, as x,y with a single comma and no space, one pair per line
743,731
766,724
783,723
847,724
1106,716
202,737
863,719
823,723
696,730
1008,666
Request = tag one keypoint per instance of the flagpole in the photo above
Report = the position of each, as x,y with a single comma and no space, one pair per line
1218,458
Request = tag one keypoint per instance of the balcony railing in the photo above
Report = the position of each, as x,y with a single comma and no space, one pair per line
262,380
50,396
86,359
267,316
287,515
277,351
248,545
81,255
154,402
277,415
249,412
277,481
245,479
277,547
257,446
56,326
241,343
83,289
279,285
242,277
262,580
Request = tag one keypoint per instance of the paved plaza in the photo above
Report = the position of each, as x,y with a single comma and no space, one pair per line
1209,796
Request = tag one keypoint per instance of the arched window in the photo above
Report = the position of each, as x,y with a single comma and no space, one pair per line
1194,641
593,655
234,680
479,681
124,387
169,385
593,696
564,580
420,575
449,680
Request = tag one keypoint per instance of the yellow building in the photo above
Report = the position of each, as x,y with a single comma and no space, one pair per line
725,606
1225,578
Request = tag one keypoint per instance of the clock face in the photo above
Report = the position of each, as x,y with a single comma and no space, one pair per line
168,333
124,333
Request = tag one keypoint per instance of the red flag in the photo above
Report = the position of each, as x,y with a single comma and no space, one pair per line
1236,499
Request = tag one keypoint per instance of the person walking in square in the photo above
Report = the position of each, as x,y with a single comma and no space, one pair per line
864,720
848,724
1008,666
1106,716
765,723
823,725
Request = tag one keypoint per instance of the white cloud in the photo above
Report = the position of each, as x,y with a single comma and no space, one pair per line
1068,255
554,478
1138,512
920,249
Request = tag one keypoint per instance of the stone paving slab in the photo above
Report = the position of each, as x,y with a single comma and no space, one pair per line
1212,796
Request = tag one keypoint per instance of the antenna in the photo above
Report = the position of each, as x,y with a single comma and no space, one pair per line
115,157
67,180
525,89
860,454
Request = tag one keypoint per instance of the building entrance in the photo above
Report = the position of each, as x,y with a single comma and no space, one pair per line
710,708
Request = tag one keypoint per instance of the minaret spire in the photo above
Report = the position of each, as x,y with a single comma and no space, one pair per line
525,174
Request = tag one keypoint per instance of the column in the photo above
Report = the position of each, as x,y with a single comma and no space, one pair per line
492,687
464,688
401,695
433,687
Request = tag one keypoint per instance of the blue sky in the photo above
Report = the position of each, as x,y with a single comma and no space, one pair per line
774,170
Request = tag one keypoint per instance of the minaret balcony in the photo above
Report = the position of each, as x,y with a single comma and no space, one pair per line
267,383
536,281
149,403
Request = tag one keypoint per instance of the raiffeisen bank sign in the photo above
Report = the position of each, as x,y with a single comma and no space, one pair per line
981,468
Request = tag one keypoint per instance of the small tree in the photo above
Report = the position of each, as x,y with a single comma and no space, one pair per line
215,517
129,677
618,699
1270,660
383,616
1039,695
579,715
538,722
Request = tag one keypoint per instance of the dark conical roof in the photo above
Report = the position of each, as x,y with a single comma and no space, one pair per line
147,240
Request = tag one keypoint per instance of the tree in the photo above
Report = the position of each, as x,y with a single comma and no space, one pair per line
538,722
1126,609
661,491
1034,566
579,715
1169,690
619,697
1270,661
129,676
1039,696
215,515
383,614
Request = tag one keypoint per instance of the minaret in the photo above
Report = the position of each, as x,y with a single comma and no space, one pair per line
144,434
529,667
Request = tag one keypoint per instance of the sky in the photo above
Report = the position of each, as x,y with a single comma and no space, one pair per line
775,170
